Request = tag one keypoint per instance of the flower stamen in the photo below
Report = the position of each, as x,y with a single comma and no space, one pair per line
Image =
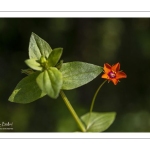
112,74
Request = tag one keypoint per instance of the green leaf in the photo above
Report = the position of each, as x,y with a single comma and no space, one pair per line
32,63
76,74
50,82
98,122
27,90
54,56
38,47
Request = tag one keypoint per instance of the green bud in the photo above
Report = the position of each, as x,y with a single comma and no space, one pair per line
43,60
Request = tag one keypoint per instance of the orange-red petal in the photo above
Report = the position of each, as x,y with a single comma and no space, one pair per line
120,75
115,81
116,67
107,68
105,76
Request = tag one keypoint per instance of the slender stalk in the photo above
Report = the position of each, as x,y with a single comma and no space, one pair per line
93,101
95,95
75,116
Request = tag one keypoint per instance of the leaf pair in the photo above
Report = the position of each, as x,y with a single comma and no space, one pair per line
70,76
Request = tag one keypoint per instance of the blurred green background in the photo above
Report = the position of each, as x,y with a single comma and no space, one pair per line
92,40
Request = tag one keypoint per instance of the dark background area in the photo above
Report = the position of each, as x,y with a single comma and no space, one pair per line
92,40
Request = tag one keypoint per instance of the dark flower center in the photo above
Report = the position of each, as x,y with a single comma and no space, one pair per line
112,74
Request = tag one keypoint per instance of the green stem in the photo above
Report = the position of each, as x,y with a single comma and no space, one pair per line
92,104
75,116
95,95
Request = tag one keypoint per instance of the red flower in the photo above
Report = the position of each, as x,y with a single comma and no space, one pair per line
112,73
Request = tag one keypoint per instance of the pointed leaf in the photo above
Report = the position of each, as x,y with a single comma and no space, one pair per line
76,74
38,47
27,90
32,63
50,82
98,122
54,56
